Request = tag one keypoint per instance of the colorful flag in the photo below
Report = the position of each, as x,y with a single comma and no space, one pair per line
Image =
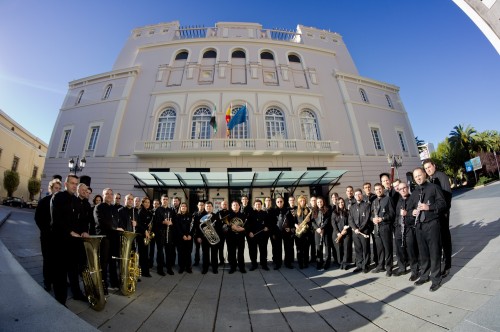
239,117
213,120
228,113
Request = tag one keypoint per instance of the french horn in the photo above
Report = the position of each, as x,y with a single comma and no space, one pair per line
208,229
91,275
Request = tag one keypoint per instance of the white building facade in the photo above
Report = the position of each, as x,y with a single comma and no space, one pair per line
307,109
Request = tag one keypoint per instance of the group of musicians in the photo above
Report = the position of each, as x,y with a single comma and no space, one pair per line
320,232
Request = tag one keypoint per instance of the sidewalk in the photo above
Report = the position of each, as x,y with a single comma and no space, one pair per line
291,300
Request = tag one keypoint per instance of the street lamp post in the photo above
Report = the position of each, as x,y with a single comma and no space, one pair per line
78,166
395,161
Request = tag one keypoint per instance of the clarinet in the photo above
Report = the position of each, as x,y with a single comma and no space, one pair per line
403,237
420,200
375,215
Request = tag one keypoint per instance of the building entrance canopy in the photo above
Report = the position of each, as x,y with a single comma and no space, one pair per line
271,179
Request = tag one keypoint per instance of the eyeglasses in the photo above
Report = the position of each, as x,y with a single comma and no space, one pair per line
403,188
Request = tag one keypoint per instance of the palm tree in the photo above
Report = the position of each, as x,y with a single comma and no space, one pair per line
463,139
420,144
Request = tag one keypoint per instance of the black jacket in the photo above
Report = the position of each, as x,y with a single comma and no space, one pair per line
360,217
106,217
431,194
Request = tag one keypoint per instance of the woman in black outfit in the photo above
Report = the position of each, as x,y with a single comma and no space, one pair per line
184,230
341,236
145,218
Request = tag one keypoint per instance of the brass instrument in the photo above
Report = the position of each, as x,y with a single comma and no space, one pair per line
304,225
151,234
236,222
129,263
208,229
91,275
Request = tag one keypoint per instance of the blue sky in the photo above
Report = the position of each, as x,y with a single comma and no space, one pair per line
446,69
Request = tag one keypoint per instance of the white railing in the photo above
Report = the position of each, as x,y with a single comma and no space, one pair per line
230,145
194,32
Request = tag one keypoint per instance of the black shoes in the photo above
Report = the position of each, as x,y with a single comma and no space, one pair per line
434,287
170,272
265,268
189,270
161,273
413,277
243,270
366,270
388,273
277,267
231,271
253,268
204,271
147,275
181,270
215,271
80,297
445,273
421,282
378,269
356,270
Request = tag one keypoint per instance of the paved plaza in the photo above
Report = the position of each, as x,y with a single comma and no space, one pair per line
284,300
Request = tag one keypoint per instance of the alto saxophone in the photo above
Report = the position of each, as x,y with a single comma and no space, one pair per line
147,240
91,275
304,225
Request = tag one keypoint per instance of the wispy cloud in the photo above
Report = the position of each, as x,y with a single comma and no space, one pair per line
30,83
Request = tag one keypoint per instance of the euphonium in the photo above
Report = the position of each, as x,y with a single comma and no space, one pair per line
91,275
304,225
151,234
129,263
208,229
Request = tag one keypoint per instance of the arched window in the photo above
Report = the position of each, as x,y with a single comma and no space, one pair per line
166,125
240,131
238,54
210,55
293,58
79,98
107,91
364,96
201,123
182,55
389,101
275,124
309,125
266,56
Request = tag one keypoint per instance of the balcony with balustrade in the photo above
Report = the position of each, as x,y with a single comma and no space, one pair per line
235,147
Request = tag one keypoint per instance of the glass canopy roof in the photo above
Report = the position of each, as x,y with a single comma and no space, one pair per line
270,179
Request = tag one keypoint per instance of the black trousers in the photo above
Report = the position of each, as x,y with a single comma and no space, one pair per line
347,244
209,255
143,255
165,253
60,253
302,247
362,249
429,249
45,242
152,246
384,247
288,248
75,263
446,240
109,247
185,249
220,246
277,245
197,247
409,253
258,242
334,251
236,250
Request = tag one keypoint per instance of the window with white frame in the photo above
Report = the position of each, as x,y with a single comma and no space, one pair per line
240,131
200,128
79,97
364,96
389,101
94,134
275,124
377,140
107,91
166,125
309,125
402,140
65,141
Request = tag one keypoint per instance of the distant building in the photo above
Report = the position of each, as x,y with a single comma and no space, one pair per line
311,120
486,15
22,152
427,150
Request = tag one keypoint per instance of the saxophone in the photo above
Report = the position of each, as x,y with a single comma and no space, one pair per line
151,234
129,263
91,275
304,225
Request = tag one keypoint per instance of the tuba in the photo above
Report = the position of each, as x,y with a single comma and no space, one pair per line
91,275
129,264
304,225
208,229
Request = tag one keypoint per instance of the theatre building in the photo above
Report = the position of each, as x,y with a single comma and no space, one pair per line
304,120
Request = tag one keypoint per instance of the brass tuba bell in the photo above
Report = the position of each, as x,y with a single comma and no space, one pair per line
129,263
91,275
208,229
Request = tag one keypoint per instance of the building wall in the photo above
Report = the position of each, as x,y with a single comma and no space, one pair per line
17,142
147,78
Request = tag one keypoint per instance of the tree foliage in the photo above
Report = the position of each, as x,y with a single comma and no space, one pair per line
10,181
34,186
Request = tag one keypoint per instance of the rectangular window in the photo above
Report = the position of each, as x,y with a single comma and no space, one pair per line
64,146
93,138
376,139
15,164
35,172
402,141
